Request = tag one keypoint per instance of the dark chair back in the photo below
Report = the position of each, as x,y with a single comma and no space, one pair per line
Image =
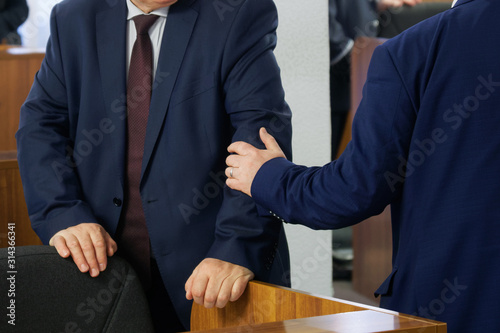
42,292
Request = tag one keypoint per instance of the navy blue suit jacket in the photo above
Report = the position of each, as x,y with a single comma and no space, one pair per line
426,141
217,82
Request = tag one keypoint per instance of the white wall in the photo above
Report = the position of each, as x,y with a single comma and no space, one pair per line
35,31
303,55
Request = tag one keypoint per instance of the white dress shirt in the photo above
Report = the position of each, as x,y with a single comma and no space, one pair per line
155,33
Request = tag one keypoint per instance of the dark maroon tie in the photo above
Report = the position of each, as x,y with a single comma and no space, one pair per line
134,238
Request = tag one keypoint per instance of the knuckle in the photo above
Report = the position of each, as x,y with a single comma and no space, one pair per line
100,244
96,228
222,299
210,299
72,244
87,246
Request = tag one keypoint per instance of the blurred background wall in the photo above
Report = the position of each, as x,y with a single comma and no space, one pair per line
303,55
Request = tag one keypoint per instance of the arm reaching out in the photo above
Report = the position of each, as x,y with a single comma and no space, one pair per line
247,160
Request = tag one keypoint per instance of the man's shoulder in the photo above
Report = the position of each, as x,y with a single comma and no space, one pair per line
231,8
86,7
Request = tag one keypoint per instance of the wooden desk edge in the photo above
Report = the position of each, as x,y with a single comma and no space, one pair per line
8,160
383,322
11,53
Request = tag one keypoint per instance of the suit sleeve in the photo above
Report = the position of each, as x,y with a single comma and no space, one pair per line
369,174
51,186
12,16
254,98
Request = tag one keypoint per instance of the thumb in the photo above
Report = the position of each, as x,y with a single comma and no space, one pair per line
269,140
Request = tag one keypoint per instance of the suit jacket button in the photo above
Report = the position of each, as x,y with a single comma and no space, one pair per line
117,202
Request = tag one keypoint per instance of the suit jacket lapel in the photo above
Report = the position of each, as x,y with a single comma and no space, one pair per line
111,25
178,29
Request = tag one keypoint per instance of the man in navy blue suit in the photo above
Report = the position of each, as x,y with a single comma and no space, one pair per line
426,141
215,81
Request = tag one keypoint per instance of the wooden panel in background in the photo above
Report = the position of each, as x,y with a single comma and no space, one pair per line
18,67
372,248
12,204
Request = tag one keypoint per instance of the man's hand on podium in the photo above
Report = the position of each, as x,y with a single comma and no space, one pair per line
215,282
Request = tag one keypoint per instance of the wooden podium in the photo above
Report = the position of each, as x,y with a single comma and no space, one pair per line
269,308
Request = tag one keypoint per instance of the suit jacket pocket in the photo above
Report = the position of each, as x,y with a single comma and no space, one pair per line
386,287
193,89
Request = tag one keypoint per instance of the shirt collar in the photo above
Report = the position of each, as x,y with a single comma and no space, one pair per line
134,11
454,3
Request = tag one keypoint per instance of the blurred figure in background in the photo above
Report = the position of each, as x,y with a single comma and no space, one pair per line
350,19
13,13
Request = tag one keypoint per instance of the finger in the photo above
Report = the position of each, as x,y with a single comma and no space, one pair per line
230,173
240,148
269,140
199,287
59,243
212,292
89,252
111,246
233,160
224,293
233,184
100,248
76,253
239,287
188,287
